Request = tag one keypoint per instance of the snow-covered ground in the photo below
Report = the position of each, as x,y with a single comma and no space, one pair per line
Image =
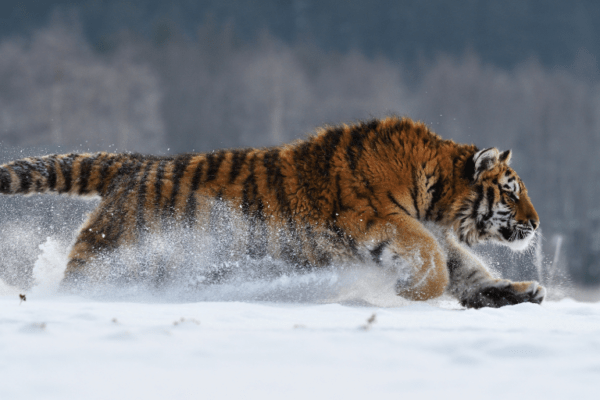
57,346
75,348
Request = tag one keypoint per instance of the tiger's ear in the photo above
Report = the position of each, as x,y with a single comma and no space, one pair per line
485,160
505,157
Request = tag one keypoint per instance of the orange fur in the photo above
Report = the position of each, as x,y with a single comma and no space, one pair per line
361,192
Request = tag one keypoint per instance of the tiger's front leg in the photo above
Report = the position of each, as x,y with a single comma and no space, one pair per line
473,285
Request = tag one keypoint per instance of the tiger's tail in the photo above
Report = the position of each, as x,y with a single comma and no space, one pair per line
75,174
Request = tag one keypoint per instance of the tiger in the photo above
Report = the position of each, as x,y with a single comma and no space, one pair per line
388,193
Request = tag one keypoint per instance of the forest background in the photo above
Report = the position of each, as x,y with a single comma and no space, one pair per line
178,76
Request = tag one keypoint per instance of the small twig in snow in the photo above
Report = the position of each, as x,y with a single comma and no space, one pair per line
182,320
372,319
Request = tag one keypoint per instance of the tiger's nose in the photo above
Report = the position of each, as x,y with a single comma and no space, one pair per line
534,223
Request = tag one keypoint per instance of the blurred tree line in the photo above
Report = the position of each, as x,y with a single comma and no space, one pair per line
175,93
503,33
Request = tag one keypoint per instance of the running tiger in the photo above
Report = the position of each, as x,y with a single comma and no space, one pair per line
387,192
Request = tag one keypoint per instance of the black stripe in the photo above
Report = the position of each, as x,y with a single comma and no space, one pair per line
51,168
257,243
372,125
321,256
100,227
353,247
301,153
116,227
141,197
339,232
327,150
306,162
371,222
239,156
39,186
66,167
453,264
85,170
436,194
89,236
472,274
5,181
181,164
270,160
300,160
160,173
377,251
108,185
393,200
346,241
275,179
249,189
414,193
252,207
221,229
477,202
214,161
464,208
439,216
197,178
78,261
126,182
490,200
190,207
104,172
355,147
291,244
23,171
338,205
469,169
375,210
27,178
505,232
124,174
338,197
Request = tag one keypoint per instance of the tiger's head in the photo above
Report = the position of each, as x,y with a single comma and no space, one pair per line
497,206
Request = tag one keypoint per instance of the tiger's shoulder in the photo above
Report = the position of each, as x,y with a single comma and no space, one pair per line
357,168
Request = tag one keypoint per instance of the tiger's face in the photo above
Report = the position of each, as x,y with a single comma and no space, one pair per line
497,207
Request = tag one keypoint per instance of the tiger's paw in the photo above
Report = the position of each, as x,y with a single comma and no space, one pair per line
505,293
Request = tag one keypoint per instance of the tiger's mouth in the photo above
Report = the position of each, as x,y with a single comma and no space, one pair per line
518,237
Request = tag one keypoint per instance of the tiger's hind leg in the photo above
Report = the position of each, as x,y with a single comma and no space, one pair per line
90,244
110,226
409,250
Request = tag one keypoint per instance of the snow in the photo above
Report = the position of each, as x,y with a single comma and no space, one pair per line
59,346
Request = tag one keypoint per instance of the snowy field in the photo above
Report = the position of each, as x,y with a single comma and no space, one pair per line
260,343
